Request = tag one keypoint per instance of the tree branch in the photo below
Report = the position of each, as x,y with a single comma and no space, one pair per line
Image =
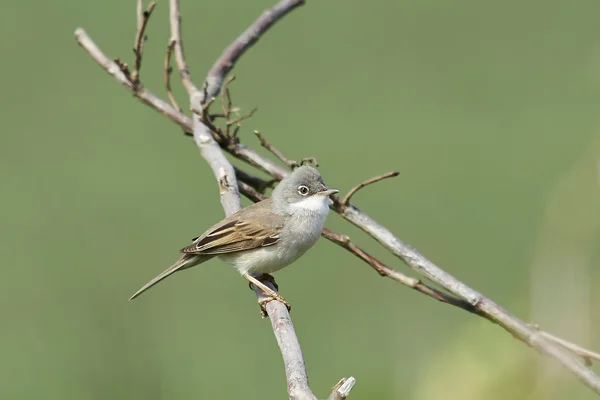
225,63
167,70
361,185
138,43
460,294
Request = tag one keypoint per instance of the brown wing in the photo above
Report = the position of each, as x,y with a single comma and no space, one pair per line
251,227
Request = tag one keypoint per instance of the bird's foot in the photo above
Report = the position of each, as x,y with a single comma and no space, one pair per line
268,294
264,301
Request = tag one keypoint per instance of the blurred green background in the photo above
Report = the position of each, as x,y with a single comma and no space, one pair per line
490,110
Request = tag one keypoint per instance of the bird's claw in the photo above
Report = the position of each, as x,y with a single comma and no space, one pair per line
264,301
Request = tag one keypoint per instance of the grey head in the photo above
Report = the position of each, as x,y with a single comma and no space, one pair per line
303,183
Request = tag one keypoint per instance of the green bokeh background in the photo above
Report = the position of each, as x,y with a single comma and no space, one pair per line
489,110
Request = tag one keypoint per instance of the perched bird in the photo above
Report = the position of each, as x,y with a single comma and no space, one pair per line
266,236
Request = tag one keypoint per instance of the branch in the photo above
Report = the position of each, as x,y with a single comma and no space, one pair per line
586,354
361,185
167,70
463,294
140,38
225,63
482,304
273,150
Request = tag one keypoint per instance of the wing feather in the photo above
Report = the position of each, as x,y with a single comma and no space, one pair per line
237,232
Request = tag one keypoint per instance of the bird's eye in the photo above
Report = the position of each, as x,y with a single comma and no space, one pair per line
303,190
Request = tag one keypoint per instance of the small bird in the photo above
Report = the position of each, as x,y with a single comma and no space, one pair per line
266,236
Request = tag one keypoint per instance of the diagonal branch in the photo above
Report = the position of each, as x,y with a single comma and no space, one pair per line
292,164
361,185
225,63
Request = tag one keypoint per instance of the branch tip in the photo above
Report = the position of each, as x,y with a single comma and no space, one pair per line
361,185
342,389
140,38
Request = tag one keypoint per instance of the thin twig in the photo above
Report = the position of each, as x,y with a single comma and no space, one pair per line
167,75
226,98
184,71
228,109
586,354
361,185
241,118
144,95
273,150
140,38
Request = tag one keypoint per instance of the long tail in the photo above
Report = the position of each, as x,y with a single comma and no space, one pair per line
186,261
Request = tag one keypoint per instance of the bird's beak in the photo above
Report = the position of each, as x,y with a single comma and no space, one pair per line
328,192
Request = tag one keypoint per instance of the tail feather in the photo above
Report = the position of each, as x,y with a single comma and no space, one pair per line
186,261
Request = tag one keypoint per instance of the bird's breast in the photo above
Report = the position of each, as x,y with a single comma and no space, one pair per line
301,232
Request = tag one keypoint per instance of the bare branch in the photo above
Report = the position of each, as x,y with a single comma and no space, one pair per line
290,163
144,95
241,118
225,63
226,98
586,354
485,306
138,44
293,360
184,72
361,185
167,75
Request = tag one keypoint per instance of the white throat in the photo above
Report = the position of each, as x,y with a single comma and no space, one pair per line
314,205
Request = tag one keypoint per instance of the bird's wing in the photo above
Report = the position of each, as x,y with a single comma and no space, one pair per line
237,233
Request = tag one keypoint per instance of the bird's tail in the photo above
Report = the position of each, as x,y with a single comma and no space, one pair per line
186,261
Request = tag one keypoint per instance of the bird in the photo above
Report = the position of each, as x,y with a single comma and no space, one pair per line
263,237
